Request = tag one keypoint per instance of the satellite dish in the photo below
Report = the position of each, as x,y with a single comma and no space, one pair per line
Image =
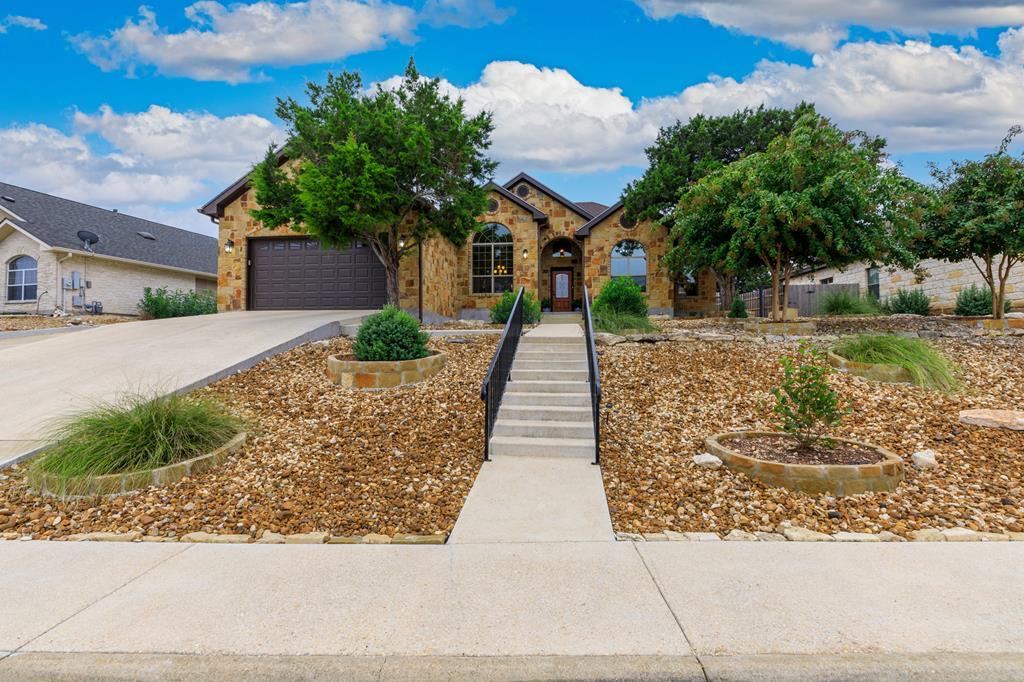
88,238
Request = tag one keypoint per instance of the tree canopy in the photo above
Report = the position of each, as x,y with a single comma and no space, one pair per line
978,215
817,196
391,167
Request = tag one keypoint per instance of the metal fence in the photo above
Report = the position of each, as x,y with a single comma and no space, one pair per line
806,298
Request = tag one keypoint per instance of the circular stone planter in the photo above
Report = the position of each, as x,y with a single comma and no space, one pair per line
835,479
892,374
760,326
380,374
114,484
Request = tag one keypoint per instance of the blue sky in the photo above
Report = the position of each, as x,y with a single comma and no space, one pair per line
153,108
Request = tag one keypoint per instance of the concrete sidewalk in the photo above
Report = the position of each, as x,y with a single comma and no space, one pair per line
60,373
514,611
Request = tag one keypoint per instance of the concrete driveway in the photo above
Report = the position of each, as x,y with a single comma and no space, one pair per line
63,373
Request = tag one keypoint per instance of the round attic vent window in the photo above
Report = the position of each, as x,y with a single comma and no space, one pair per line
523,190
628,222
492,206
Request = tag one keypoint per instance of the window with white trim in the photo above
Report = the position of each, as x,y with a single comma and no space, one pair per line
630,260
492,259
22,279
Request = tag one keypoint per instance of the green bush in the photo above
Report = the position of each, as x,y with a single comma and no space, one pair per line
622,295
391,334
926,366
738,309
805,400
975,301
503,308
908,302
611,322
137,433
160,303
843,302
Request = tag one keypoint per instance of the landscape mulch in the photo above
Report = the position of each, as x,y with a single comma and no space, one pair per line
17,323
662,400
787,450
319,458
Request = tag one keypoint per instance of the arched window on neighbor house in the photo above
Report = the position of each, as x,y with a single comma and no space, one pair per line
22,277
630,260
492,259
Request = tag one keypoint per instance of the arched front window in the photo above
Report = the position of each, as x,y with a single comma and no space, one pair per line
22,273
630,260
492,259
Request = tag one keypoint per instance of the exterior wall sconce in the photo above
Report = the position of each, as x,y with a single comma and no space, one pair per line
526,253
401,243
229,246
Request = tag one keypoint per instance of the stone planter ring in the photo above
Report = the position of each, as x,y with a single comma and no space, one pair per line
814,479
370,375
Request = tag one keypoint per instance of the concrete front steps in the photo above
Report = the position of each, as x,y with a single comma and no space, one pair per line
546,408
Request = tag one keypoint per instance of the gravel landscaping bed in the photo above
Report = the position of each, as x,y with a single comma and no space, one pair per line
662,400
17,323
319,458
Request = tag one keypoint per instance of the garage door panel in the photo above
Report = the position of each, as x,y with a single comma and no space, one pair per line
295,273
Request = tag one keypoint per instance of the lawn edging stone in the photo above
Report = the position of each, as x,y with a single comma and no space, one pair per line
375,375
265,538
835,479
791,533
52,485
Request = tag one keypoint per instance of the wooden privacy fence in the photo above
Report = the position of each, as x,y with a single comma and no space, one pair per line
806,298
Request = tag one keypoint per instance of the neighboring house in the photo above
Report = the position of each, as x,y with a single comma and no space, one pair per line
941,280
47,265
531,236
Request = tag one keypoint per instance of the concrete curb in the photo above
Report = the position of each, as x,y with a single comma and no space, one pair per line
161,666
21,333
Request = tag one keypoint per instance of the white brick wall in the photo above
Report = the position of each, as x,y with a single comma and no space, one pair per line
943,283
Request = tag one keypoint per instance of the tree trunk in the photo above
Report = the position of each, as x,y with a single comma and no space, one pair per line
785,291
727,287
390,257
775,293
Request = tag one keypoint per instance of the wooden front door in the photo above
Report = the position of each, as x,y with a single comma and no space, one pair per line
561,290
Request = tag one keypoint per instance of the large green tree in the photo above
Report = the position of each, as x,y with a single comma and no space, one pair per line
817,196
687,151
391,167
979,216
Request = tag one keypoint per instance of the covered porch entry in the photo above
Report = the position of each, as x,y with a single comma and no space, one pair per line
560,288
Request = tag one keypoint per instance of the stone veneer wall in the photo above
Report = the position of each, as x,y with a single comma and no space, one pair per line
597,259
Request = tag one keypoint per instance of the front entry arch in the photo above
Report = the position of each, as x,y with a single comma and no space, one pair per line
561,274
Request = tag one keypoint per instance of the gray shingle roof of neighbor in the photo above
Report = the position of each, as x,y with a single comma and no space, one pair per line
56,222
584,230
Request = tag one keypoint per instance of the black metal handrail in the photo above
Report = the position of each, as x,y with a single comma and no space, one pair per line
493,388
595,375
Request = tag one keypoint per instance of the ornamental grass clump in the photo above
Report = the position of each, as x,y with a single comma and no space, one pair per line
842,302
611,322
927,368
908,302
137,433
391,334
805,400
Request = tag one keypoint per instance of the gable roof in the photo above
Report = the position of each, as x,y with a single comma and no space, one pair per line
547,190
593,207
56,222
584,230
538,215
214,208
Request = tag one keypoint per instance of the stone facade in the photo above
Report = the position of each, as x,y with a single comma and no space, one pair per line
118,285
447,269
943,282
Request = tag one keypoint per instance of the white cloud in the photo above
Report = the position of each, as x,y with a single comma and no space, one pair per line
160,163
1011,46
227,43
818,25
23,22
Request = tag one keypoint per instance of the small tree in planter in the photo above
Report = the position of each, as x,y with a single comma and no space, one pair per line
805,400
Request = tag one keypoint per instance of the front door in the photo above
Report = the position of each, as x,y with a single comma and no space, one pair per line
561,290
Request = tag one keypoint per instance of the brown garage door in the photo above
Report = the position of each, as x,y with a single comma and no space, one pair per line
294,273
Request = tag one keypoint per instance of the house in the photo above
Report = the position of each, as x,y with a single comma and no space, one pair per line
530,236
47,264
941,280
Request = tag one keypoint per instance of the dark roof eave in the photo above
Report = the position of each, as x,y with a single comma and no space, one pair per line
584,230
544,188
214,208
538,215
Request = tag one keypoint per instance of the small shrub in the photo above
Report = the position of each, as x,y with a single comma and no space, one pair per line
137,433
926,366
622,295
975,301
611,322
843,302
503,308
805,400
545,303
391,334
738,309
159,303
908,302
